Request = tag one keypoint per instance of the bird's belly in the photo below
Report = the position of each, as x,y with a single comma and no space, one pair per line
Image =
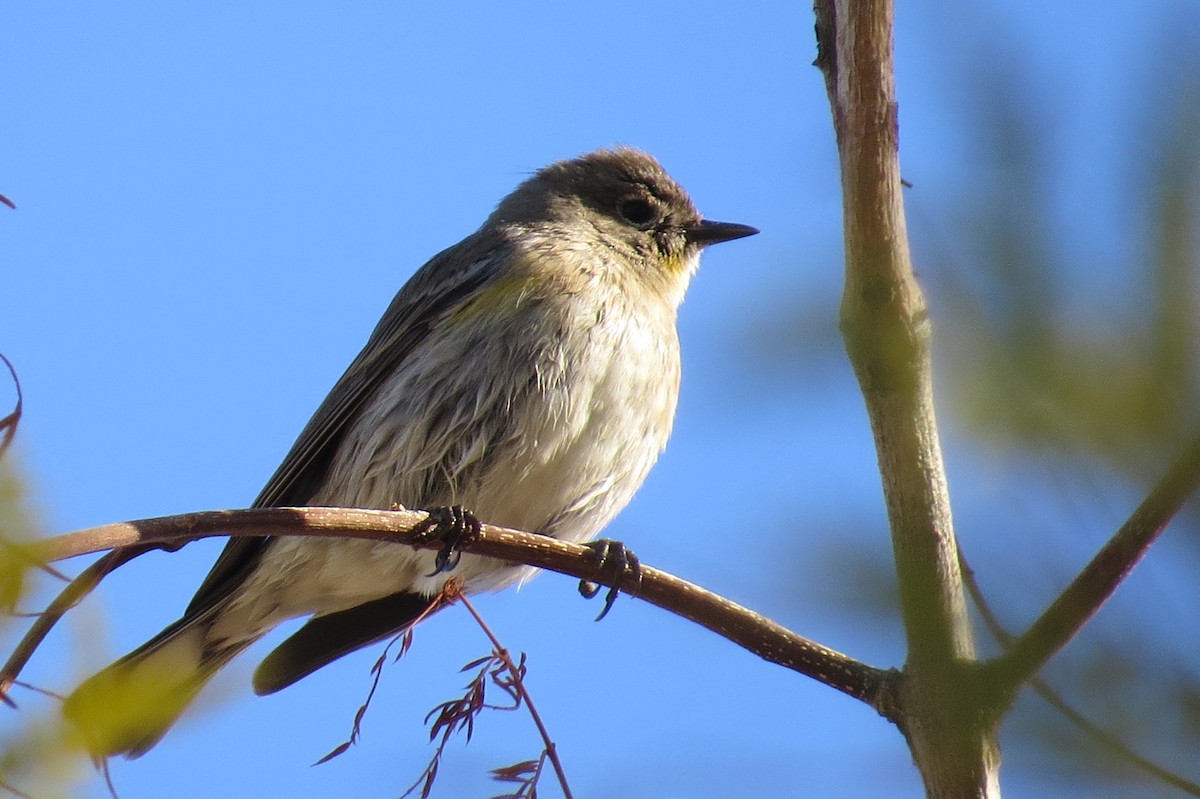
570,491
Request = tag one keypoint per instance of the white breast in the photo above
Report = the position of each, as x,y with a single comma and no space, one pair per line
553,438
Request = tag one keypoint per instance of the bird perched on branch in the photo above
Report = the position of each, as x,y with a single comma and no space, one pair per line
529,374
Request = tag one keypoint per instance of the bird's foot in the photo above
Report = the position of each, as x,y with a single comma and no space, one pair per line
626,570
453,526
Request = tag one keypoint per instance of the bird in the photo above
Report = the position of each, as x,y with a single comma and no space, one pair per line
528,374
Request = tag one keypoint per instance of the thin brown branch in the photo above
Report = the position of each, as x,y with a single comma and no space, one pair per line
10,422
759,635
4,786
404,639
518,684
70,596
1092,587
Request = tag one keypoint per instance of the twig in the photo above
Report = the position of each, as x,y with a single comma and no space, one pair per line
518,684
459,714
1052,698
526,774
108,779
4,786
405,638
70,596
1098,580
763,637
9,423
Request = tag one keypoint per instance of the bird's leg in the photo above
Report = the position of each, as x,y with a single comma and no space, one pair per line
453,526
615,557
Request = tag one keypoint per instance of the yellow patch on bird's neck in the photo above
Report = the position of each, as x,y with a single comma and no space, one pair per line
676,264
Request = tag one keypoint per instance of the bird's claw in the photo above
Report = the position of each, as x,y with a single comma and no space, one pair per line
615,557
454,526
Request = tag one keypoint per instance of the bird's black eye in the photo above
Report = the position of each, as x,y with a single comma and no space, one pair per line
638,212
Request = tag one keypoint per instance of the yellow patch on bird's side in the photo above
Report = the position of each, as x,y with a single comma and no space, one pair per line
503,295
529,278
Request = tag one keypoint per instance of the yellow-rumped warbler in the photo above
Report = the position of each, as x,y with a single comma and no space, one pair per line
528,373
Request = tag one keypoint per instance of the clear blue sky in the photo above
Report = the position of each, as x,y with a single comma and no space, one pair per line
216,202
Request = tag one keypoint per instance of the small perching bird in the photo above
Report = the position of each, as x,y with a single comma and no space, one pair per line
529,373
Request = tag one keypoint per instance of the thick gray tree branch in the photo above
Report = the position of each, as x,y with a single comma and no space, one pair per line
744,627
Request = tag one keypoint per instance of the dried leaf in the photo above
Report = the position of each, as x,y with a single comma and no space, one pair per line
338,750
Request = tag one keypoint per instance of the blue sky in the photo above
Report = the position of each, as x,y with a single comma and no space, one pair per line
216,202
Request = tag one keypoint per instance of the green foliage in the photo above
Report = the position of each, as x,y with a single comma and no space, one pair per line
39,757
16,528
1042,360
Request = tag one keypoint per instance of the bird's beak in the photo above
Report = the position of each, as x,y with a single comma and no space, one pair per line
705,232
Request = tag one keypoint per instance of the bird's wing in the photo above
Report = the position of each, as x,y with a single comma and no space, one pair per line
447,282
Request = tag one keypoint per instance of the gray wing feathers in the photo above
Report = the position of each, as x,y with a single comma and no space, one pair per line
447,282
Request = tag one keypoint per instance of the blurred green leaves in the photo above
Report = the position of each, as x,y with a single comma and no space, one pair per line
1040,357
16,527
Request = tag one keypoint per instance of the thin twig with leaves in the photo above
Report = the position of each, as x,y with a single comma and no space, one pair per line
525,774
518,684
458,715
405,641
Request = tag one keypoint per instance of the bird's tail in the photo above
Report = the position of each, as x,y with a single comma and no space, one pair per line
127,707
